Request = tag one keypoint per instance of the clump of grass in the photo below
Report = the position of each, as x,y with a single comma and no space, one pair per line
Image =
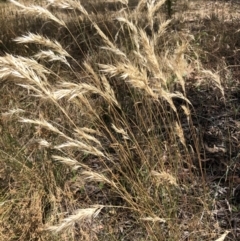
116,126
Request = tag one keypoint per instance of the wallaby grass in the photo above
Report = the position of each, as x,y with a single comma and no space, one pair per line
99,140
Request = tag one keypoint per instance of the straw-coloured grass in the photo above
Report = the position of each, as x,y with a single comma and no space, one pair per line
106,146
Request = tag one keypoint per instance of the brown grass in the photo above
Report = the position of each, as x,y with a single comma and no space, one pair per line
102,125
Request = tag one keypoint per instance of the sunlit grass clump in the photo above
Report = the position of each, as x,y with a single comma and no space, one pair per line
100,148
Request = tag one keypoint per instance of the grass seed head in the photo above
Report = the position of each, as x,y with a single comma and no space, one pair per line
81,216
164,177
46,42
38,11
69,4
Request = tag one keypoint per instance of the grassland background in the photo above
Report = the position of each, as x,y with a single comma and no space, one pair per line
164,174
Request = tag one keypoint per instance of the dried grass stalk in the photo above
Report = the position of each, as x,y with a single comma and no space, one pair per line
180,134
163,178
22,68
69,4
38,11
122,132
86,148
91,176
216,78
81,216
12,112
154,219
38,39
51,56
74,164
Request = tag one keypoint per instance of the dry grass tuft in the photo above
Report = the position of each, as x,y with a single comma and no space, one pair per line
101,136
